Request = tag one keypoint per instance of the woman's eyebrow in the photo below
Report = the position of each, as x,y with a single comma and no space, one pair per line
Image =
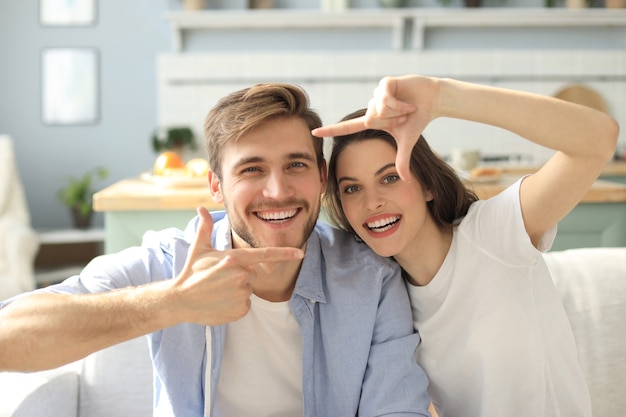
339,180
385,167
380,171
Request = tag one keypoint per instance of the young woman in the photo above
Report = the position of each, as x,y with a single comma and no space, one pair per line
495,337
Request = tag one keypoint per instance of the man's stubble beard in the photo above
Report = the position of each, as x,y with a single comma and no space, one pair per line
239,229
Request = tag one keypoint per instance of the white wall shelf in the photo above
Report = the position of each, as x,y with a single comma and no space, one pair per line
65,236
404,23
55,237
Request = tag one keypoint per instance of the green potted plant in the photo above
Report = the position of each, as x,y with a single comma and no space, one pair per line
78,193
174,139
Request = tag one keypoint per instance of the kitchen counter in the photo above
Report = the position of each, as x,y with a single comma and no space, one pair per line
613,169
138,194
134,206
141,195
598,220
601,192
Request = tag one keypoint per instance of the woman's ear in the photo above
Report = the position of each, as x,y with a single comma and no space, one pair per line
429,196
215,186
324,177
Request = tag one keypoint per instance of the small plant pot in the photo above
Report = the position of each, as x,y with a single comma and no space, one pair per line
80,220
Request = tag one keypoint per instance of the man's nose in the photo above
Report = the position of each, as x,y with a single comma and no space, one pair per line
277,186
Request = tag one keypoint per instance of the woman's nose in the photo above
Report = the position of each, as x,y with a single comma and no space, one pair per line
374,200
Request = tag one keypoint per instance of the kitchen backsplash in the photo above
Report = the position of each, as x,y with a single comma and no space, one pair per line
339,83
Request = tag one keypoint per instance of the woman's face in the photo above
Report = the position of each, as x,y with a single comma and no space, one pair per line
387,213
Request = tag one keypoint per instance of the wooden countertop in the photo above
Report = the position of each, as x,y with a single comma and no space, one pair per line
139,194
601,191
613,169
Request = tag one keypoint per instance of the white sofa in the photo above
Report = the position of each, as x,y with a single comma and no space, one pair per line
117,381
18,241
114,382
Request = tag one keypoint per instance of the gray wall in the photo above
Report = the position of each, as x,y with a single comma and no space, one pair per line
128,35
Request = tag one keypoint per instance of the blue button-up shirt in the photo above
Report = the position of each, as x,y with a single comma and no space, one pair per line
351,306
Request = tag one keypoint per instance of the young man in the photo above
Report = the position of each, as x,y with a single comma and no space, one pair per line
267,312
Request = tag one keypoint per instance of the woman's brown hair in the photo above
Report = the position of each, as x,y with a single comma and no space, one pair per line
451,199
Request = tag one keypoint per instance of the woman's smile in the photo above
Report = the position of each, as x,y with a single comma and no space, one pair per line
382,225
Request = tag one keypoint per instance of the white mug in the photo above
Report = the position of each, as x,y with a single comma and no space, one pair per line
464,159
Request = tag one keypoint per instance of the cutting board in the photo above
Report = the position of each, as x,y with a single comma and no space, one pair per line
582,94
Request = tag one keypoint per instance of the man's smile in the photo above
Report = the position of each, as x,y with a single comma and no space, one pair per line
277,216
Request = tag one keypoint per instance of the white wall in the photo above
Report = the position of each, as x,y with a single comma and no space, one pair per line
339,83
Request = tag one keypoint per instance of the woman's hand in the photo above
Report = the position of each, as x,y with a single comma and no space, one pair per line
403,107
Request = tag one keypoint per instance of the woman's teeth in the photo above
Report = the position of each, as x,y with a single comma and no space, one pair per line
383,225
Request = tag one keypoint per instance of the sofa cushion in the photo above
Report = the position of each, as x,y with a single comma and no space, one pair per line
592,285
45,393
117,381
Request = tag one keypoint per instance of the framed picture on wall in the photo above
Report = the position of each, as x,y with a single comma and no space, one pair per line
69,86
67,12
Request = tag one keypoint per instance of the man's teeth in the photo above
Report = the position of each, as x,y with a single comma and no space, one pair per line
383,225
277,216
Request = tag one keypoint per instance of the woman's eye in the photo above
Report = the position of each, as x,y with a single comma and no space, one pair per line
391,179
351,189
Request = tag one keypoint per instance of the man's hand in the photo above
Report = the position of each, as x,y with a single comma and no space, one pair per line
401,106
215,286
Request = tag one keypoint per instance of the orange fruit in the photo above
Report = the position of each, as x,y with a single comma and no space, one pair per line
166,162
197,167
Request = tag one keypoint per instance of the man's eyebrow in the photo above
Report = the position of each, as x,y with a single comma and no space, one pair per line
289,157
249,160
300,155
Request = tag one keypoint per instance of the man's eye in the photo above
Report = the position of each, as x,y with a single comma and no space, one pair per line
250,169
391,179
351,189
297,164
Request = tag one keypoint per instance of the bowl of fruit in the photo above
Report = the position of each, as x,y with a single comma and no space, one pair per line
170,170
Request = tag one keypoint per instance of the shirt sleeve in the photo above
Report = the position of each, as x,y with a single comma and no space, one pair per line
497,225
394,383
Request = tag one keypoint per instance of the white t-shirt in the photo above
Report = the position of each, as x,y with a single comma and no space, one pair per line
261,374
496,340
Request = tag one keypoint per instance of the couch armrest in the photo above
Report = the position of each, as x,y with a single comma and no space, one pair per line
53,392
18,251
592,286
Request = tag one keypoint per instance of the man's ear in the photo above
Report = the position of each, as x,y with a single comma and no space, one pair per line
216,187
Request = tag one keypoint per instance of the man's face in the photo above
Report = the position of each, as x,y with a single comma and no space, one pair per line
271,185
